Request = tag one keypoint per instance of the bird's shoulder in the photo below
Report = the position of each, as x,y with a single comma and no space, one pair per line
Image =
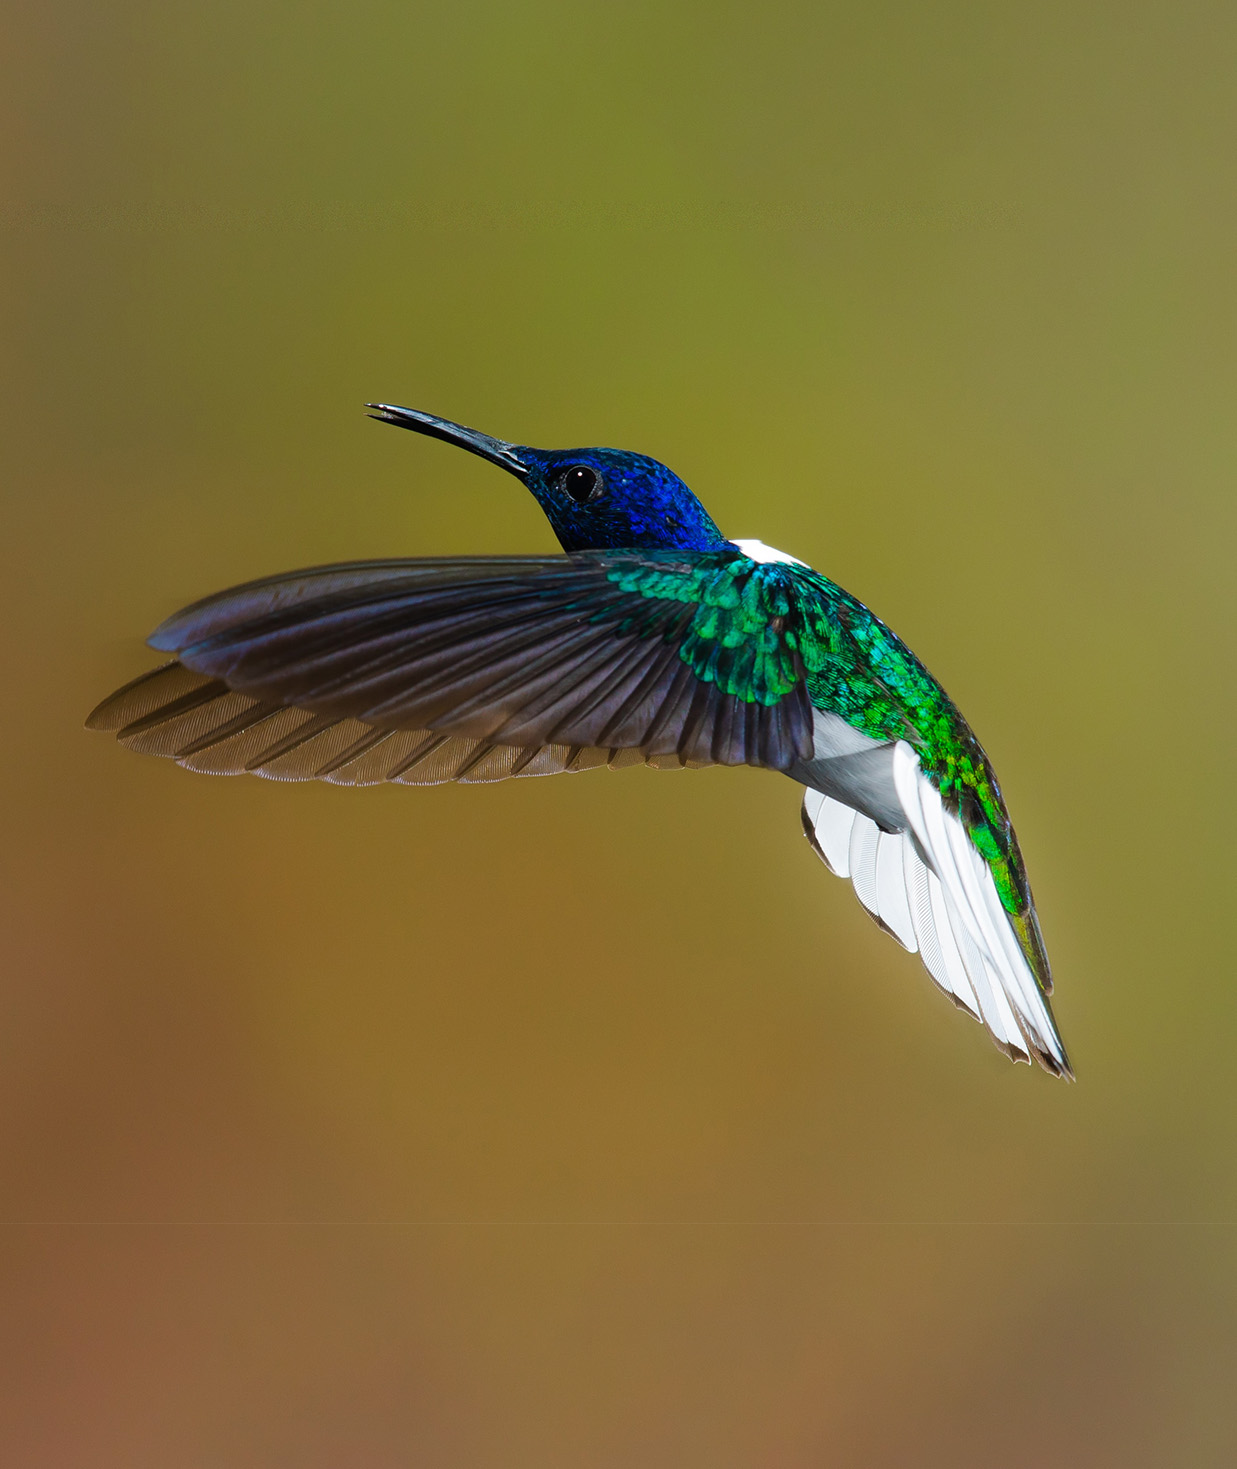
788,624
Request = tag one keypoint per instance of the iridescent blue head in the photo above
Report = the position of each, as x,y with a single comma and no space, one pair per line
595,499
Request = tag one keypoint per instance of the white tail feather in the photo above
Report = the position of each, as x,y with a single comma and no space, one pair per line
931,888
830,824
1020,1013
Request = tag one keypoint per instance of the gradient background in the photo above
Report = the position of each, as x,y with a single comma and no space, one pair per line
589,1122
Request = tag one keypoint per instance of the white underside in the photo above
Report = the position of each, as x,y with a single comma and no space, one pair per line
947,908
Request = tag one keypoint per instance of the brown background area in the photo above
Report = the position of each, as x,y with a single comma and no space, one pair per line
588,1121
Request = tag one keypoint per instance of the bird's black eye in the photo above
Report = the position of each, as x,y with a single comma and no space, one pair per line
581,484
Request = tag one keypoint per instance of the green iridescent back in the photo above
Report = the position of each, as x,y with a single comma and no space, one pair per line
762,627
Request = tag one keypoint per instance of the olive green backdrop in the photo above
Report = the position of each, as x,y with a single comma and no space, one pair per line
941,299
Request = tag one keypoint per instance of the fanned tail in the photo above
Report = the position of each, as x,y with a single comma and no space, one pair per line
932,890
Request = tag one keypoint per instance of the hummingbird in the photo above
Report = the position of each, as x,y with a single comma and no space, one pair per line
653,640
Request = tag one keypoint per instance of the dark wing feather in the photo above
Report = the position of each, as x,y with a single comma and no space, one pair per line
477,669
224,732
517,651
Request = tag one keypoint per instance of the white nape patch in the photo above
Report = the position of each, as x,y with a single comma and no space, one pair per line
758,551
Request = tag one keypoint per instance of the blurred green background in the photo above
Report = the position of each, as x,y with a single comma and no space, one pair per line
691,1165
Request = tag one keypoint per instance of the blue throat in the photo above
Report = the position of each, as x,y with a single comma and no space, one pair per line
595,499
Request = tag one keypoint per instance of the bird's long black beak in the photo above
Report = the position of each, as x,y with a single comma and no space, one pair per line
507,456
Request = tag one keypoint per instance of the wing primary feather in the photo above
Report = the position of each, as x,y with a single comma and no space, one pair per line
422,752
230,753
169,737
372,766
303,761
205,693
316,725
362,746
523,758
257,714
149,692
470,763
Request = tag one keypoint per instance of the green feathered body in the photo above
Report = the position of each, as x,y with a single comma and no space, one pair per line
762,627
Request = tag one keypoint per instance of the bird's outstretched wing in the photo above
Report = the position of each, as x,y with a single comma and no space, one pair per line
475,669
480,669
203,725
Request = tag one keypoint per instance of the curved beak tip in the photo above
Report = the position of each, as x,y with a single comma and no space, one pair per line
497,451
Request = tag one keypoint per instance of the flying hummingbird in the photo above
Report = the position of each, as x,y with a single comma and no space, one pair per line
655,640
